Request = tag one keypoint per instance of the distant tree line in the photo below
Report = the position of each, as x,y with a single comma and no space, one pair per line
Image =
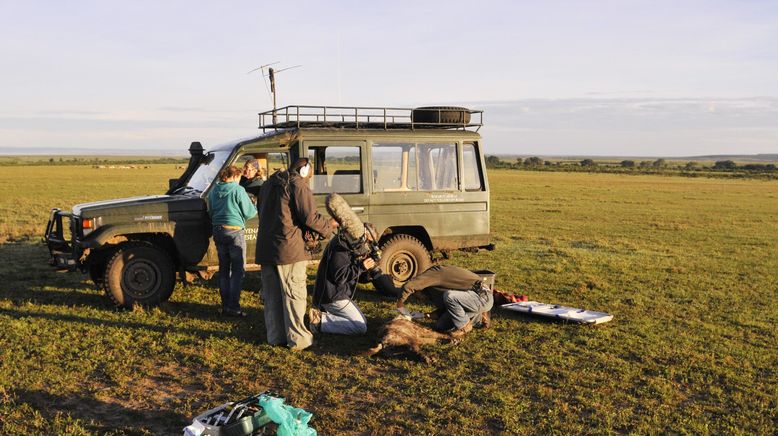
14,161
726,168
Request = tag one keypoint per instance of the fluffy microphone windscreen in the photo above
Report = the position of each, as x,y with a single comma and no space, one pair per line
339,209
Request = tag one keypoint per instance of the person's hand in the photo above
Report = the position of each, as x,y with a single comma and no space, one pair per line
368,263
334,224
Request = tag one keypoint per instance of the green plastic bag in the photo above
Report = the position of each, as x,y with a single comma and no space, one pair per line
291,420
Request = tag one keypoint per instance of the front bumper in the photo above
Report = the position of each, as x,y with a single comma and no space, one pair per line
63,241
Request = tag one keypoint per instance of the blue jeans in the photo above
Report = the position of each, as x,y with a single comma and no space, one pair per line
463,306
343,317
231,246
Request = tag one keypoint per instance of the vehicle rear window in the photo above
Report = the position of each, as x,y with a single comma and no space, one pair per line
394,167
414,167
438,167
472,173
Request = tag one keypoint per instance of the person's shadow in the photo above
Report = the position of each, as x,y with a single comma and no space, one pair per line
101,416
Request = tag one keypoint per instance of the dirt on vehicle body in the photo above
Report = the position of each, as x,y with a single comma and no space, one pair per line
417,174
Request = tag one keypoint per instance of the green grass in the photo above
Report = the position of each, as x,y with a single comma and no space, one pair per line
686,266
27,193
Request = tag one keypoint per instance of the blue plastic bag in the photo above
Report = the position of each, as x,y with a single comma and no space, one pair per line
291,420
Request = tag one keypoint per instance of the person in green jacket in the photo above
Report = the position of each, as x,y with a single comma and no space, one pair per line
229,207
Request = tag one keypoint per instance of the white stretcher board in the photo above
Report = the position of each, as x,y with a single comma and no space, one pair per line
560,312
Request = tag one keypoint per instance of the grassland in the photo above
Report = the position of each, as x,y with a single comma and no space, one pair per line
687,266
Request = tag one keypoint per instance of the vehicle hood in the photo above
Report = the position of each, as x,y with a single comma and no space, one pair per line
141,202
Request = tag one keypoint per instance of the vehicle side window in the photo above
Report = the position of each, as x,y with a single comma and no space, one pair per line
472,173
394,167
336,169
438,167
268,162
276,162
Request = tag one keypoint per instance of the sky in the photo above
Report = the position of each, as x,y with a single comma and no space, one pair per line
554,78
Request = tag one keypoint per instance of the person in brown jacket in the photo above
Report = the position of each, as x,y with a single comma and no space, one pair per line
287,210
461,297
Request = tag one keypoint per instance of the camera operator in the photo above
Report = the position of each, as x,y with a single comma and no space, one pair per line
341,265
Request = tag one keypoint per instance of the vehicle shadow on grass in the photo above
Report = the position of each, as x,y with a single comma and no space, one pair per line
25,275
101,322
102,416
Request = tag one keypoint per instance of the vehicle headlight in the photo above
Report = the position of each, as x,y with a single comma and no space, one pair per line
89,224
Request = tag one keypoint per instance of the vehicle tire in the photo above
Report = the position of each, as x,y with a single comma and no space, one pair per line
441,115
403,258
139,273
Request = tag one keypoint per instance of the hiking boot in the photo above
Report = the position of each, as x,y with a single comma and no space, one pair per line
459,333
233,313
314,320
486,320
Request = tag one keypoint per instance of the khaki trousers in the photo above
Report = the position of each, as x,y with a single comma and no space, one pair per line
285,295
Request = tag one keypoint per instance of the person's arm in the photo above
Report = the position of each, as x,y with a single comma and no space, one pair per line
341,271
428,278
305,210
384,284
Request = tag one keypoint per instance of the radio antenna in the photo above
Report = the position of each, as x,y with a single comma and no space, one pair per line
261,68
271,73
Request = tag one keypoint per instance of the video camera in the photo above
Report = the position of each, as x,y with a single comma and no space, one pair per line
363,248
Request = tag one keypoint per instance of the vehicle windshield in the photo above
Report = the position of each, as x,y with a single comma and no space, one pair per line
204,175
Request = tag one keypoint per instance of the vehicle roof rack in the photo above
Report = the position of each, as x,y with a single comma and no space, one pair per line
381,118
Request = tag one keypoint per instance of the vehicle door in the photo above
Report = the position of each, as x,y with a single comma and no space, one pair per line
475,195
270,161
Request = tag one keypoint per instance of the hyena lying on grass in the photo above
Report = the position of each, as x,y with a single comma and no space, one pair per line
403,337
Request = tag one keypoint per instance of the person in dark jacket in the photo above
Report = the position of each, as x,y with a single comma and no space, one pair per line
229,207
461,298
339,269
287,211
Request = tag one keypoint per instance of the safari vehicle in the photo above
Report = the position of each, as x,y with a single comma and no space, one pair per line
417,174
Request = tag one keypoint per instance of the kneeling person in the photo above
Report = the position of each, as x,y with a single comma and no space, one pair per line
336,282
461,298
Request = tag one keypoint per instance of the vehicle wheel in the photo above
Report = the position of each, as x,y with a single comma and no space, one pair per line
404,257
441,115
139,273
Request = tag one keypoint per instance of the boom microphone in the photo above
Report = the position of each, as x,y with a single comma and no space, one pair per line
354,233
339,209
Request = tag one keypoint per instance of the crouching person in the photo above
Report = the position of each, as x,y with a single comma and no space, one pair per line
334,310
461,298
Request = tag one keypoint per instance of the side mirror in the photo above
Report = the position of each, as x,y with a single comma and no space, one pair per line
196,149
172,183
